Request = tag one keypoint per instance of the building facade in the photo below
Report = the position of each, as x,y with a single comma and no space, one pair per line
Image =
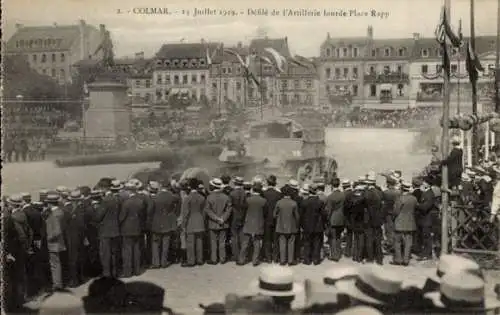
54,50
182,70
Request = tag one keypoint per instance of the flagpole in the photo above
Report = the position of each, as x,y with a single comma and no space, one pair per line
445,141
220,89
475,135
261,92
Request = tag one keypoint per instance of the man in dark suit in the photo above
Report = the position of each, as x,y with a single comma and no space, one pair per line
166,210
238,198
253,228
106,216
218,210
347,189
192,219
454,163
373,233
313,217
131,220
357,208
75,236
404,225
424,212
390,196
336,219
287,217
270,245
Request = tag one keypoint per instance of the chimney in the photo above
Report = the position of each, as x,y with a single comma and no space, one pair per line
328,35
416,36
139,55
240,45
19,26
370,32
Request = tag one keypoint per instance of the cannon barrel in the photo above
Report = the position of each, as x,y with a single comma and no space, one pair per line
170,154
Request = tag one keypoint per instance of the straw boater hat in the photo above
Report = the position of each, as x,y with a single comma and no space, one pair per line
63,190
454,264
26,196
238,181
52,198
360,310
340,273
116,185
462,292
294,184
306,189
346,183
62,303
456,140
216,183
130,186
276,280
374,285
75,195
15,200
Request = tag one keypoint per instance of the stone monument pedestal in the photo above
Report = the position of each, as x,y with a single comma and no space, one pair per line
108,115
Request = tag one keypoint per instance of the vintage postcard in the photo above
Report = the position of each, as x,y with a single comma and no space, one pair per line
218,156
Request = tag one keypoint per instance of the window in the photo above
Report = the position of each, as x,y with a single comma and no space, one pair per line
214,85
284,84
439,68
355,52
284,99
34,58
147,97
373,90
53,57
401,52
346,72
424,69
158,79
202,78
238,69
167,79
344,52
53,72
387,69
387,52
400,68
327,87
296,98
328,52
44,71
296,84
309,99
62,74
238,98
354,90
148,83
355,72
238,86
176,79
401,90
337,72
309,84
374,52
44,58
225,86
372,69
454,68
424,53
194,78
138,83
337,52
224,70
328,73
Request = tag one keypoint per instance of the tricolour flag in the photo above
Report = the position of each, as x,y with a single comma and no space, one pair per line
234,53
278,58
249,76
299,61
444,32
473,64
209,57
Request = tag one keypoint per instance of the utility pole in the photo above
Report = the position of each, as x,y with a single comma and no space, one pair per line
445,141
475,135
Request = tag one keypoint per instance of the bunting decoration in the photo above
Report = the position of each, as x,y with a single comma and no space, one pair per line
473,64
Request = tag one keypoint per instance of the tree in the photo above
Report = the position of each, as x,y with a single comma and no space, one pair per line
21,79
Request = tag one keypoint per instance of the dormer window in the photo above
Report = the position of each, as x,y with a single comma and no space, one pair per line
401,52
387,52
439,53
176,63
328,52
424,53
159,62
168,63
337,52
202,62
184,63
344,52
194,63
355,52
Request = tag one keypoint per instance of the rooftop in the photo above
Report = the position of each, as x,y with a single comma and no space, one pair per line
186,50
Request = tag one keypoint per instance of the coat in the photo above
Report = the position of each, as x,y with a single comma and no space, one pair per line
238,202
55,228
107,217
374,207
192,215
254,219
23,228
272,196
455,166
312,215
166,210
390,196
74,215
131,216
287,216
347,207
148,210
424,208
35,221
335,209
357,208
404,212
218,206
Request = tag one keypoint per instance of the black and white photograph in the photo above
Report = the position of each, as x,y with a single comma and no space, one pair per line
250,157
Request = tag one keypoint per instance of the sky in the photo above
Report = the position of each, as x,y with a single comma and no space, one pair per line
132,32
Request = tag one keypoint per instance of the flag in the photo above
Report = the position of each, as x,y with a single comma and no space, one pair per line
278,58
444,32
299,61
473,64
460,34
234,53
245,64
209,58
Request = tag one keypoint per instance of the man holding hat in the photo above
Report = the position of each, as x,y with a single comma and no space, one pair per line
132,220
270,244
238,202
218,210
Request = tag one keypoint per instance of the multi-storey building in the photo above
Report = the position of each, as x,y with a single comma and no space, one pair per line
427,83
53,50
341,67
385,73
182,70
227,80
299,86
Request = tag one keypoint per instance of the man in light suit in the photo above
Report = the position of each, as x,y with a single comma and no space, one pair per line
404,225
287,217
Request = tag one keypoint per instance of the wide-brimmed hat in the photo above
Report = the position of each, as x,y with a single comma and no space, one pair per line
346,183
52,198
340,273
238,181
319,293
276,280
374,285
462,292
216,183
62,303
116,185
454,264
405,186
130,186
15,200
26,196
294,184
306,189
153,186
94,193
456,140
62,189
360,310
75,195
